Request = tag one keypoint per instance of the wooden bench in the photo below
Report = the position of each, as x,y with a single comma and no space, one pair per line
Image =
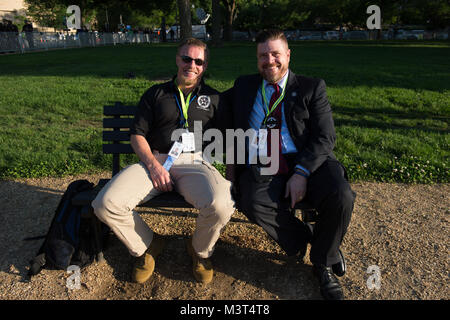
116,137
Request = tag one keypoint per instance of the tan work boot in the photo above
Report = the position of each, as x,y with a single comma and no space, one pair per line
202,267
145,264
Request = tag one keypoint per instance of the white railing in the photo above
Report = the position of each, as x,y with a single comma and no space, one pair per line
33,41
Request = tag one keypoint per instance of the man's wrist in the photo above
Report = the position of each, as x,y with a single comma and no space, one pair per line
301,171
152,163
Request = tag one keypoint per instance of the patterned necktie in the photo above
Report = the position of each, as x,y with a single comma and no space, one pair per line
276,114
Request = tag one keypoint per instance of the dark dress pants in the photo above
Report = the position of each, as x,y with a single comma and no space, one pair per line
328,191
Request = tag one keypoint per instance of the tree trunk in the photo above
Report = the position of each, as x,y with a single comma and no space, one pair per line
216,22
230,6
184,7
163,29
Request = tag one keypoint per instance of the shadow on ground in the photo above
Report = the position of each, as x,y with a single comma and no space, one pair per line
401,229
240,272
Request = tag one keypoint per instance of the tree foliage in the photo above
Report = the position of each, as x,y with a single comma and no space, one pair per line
294,14
46,13
244,15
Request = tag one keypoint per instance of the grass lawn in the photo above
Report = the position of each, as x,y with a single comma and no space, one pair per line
391,103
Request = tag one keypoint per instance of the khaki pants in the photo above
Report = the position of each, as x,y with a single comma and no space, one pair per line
195,179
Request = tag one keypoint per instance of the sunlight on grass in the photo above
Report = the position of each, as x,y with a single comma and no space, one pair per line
391,103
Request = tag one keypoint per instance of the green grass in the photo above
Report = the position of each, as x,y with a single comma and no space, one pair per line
391,103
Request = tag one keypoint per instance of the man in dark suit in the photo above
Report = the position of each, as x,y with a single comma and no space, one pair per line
299,116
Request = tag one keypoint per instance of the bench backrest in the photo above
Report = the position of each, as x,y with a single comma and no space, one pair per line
117,120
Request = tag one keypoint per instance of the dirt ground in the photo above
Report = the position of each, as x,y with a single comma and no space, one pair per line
401,229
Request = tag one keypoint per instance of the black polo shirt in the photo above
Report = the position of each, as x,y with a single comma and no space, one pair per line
159,114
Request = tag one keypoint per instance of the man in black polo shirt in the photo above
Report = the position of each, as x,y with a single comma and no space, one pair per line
164,108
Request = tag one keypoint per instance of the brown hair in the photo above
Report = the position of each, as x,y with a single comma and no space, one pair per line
270,34
193,42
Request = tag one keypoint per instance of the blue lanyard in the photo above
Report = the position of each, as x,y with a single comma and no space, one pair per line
183,120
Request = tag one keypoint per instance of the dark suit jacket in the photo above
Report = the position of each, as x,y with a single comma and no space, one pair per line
306,109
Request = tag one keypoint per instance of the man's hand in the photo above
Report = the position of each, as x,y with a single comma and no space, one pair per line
296,188
160,177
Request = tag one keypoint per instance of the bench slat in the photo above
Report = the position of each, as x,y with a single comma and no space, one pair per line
117,148
116,135
168,199
117,123
119,110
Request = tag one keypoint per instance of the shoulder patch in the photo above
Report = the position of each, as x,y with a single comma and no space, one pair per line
203,102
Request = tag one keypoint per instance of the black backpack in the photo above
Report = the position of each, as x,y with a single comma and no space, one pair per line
71,236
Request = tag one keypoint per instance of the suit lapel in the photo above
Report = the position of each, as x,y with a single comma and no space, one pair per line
291,95
249,99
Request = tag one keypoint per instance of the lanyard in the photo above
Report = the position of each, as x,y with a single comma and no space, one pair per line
184,105
266,105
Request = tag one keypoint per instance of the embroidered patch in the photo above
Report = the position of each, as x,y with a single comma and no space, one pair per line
203,102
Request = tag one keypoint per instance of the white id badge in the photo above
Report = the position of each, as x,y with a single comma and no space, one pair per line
176,150
252,154
188,141
262,143
254,142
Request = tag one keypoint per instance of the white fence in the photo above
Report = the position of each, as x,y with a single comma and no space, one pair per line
31,41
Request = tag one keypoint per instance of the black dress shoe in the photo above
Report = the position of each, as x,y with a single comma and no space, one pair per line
340,267
330,288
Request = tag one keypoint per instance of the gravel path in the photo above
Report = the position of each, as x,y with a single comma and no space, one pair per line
402,230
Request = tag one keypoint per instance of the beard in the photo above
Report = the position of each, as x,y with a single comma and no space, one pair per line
272,75
187,81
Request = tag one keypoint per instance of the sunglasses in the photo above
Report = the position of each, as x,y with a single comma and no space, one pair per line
187,59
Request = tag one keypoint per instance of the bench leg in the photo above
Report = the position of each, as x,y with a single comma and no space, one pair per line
98,237
309,216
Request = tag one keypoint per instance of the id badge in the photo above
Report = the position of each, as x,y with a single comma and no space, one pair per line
259,139
176,150
174,153
262,143
188,141
253,148
258,146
